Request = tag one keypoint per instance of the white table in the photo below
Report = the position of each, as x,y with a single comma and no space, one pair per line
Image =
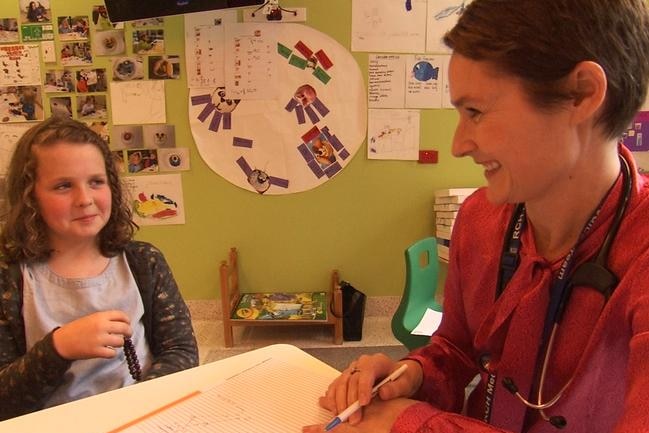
105,412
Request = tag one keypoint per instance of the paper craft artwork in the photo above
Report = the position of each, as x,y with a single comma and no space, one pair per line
148,96
389,26
307,129
282,306
393,134
20,65
156,200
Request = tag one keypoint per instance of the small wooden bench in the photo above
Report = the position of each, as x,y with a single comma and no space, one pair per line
272,309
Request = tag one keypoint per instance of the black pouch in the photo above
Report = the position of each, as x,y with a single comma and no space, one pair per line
353,312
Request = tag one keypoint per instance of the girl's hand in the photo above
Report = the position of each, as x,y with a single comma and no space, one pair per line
357,380
92,336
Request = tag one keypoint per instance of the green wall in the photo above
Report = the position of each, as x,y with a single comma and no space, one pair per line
359,222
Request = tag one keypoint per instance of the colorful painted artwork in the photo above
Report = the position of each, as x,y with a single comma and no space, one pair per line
282,306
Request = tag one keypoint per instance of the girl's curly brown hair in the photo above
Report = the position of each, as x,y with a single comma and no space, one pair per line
24,233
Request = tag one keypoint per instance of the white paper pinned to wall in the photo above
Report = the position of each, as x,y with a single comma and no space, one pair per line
138,102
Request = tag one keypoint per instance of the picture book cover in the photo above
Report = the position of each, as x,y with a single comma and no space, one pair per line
282,306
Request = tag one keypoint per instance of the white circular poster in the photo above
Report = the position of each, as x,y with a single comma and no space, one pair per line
291,114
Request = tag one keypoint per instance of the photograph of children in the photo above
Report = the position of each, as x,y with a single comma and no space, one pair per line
73,28
148,42
143,160
322,150
164,67
100,19
118,157
91,107
128,68
21,103
100,127
61,106
109,43
9,31
157,136
91,80
126,137
76,54
57,80
35,11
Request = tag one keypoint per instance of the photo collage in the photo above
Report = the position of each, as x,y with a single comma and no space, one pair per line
81,55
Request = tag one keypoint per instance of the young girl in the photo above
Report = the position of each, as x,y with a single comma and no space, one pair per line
73,283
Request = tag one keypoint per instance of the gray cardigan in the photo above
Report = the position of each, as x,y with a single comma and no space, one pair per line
28,377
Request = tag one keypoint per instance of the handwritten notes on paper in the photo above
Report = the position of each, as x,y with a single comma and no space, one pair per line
424,81
204,45
389,26
250,61
138,102
20,65
248,402
408,81
387,75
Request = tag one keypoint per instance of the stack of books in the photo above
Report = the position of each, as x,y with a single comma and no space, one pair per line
447,204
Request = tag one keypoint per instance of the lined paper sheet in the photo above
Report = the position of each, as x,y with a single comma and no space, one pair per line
271,396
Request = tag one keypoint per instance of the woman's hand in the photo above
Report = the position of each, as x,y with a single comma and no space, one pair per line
92,336
357,380
378,418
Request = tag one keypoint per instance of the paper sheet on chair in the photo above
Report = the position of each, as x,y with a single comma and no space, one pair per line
429,323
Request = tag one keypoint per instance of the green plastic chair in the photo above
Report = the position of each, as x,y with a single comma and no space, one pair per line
422,267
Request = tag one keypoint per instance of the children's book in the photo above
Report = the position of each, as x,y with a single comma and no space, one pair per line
282,306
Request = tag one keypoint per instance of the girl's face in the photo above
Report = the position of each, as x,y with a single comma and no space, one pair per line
72,192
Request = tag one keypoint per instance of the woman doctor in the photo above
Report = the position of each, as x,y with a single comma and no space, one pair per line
547,295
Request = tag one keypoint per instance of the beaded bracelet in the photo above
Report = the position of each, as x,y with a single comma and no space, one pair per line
131,359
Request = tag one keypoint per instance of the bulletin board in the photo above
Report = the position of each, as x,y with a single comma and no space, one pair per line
359,220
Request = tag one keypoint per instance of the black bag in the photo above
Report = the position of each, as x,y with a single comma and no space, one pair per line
353,312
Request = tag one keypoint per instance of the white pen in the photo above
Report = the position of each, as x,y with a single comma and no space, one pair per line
344,415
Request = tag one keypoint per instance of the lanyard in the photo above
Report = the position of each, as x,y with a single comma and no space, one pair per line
591,273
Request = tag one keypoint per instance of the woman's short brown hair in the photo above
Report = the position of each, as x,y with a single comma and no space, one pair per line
541,41
24,233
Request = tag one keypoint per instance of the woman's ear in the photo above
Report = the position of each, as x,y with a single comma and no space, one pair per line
587,84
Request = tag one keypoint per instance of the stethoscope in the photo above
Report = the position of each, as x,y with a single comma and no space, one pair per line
592,273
